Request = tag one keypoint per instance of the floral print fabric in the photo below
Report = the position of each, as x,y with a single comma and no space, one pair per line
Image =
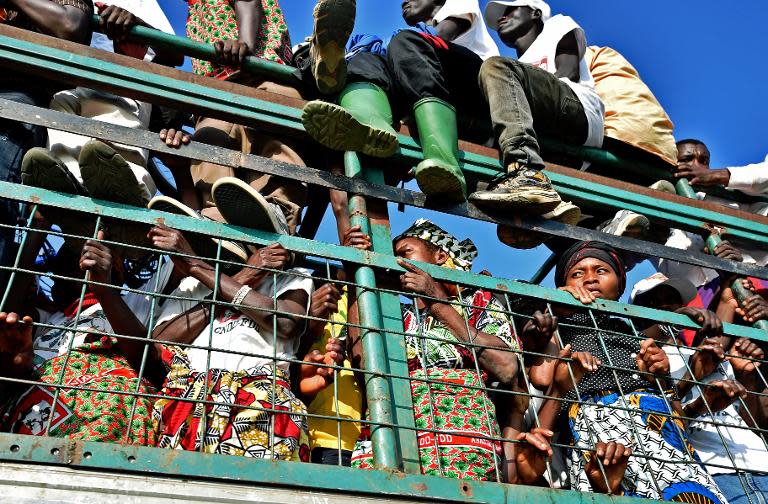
211,21
237,424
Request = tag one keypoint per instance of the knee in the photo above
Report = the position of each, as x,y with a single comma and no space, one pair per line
405,42
498,68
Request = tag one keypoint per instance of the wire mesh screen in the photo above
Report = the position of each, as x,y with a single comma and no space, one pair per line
158,346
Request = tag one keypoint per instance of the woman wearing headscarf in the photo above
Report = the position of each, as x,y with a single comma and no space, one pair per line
621,397
461,340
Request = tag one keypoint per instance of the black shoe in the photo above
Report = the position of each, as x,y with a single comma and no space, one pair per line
527,190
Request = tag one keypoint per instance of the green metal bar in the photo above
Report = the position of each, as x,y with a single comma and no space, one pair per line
377,388
545,268
394,343
162,40
339,253
683,188
302,477
216,102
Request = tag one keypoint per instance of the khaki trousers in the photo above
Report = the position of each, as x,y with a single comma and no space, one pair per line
289,195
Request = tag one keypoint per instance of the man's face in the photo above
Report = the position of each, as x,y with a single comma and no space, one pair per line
415,249
418,11
693,155
515,22
662,297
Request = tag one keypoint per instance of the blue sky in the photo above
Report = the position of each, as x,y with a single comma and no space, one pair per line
702,59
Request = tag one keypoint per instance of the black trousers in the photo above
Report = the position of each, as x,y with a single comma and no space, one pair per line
420,66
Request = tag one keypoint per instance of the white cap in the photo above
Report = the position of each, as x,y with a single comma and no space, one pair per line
495,9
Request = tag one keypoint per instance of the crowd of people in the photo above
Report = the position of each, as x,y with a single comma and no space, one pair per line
189,342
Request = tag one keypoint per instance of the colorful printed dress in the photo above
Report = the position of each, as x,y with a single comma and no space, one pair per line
94,403
464,415
210,21
664,465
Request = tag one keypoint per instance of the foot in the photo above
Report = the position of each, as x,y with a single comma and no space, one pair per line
438,178
565,213
204,246
627,223
664,186
242,205
334,127
334,21
108,176
40,168
526,190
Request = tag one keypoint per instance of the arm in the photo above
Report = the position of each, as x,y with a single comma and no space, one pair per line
751,179
116,22
61,21
451,28
495,357
567,58
249,15
16,354
96,258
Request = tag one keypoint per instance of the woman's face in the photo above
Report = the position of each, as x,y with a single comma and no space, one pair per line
415,249
595,276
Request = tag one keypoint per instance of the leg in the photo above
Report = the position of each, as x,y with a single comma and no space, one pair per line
220,134
362,121
525,100
16,139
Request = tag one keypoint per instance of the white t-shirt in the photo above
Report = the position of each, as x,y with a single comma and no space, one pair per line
476,38
747,448
148,11
52,342
751,179
542,54
234,331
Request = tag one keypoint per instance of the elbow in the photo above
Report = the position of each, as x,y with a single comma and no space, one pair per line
74,29
506,371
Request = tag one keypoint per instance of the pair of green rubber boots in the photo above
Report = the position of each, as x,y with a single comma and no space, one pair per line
362,122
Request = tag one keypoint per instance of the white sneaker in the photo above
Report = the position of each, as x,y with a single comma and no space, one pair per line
626,222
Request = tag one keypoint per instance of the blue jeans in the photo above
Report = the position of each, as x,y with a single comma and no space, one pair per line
15,139
732,486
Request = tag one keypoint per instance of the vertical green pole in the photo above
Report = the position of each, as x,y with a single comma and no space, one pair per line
377,387
684,189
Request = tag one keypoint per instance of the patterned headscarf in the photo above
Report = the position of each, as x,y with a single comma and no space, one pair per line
462,253
598,250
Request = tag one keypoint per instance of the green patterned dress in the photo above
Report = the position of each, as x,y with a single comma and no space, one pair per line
210,21
451,403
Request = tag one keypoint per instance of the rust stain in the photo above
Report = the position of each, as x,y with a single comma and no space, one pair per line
502,287
467,490
419,487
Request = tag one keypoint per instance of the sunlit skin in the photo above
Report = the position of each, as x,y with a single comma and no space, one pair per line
693,154
592,279
516,22
414,249
416,11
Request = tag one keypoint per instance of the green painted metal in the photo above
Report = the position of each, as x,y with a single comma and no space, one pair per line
683,188
306,477
339,253
394,343
252,64
251,110
100,74
378,390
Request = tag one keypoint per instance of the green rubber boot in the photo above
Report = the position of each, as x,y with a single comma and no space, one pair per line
361,122
439,173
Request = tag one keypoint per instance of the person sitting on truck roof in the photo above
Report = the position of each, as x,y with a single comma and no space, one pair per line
430,71
614,384
107,170
83,342
65,19
547,91
238,29
232,354
717,409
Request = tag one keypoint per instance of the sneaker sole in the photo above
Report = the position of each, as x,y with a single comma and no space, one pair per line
522,239
437,180
570,215
334,22
634,222
334,127
531,202
243,206
203,245
40,168
107,176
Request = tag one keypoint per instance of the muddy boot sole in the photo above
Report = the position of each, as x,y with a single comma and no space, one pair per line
334,127
334,22
438,179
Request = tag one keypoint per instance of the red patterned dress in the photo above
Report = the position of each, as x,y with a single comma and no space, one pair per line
210,21
464,415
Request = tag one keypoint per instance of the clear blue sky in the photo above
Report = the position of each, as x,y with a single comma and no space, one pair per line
703,60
